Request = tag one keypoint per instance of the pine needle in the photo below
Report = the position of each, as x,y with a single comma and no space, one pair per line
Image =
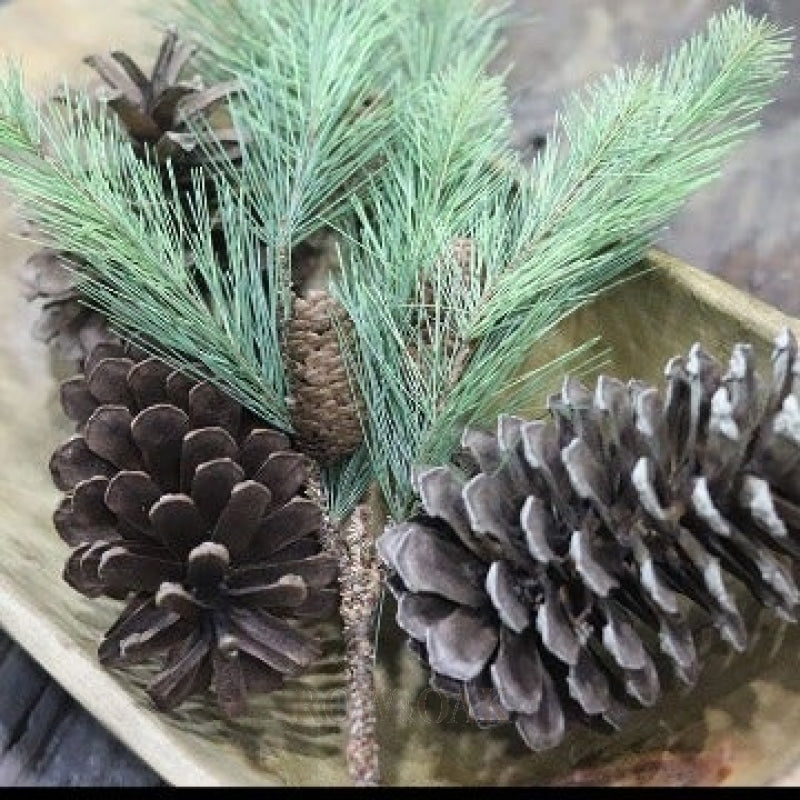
88,192
437,336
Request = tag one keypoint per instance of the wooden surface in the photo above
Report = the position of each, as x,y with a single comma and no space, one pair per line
741,725
295,737
46,739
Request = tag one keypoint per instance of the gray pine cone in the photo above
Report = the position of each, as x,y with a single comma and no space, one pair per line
70,327
542,584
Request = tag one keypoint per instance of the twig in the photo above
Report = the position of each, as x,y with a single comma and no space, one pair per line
353,544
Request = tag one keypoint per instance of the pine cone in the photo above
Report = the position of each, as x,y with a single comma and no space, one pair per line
179,503
541,586
160,113
326,408
325,412
65,323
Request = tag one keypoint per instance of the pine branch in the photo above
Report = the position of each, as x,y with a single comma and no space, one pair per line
451,155
306,136
433,34
92,196
315,115
429,36
628,152
418,38
314,106
438,335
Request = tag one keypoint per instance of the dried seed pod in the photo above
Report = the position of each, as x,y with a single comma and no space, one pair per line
544,582
181,504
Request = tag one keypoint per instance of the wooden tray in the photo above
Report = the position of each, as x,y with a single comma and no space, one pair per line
740,725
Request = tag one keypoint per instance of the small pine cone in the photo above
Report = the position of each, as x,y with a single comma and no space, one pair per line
64,323
541,586
161,112
179,504
325,412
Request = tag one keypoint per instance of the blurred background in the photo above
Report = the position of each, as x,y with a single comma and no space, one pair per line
745,228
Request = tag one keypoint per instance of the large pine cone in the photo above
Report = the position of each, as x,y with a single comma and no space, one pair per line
326,413
181,504
161,112
541,585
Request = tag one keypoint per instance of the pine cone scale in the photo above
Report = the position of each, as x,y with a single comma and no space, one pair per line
517,673
317,571
108,434
73,462
50,278
173,55
265,638
286,525
141,126
289,591
240,520
122,568
545,728
165,110
158,432
77,400
212,486
117,77
178,524
129,497
178,682
147,382
200,446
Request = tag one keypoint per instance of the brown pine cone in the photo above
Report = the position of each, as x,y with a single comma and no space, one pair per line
325,412
541,585
161,112
179,503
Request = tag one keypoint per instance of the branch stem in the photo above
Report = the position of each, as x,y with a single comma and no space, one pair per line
353,544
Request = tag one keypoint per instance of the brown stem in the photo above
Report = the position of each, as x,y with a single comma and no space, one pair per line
353,544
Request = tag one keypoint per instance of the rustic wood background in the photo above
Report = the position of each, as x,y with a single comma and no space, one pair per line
745,228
